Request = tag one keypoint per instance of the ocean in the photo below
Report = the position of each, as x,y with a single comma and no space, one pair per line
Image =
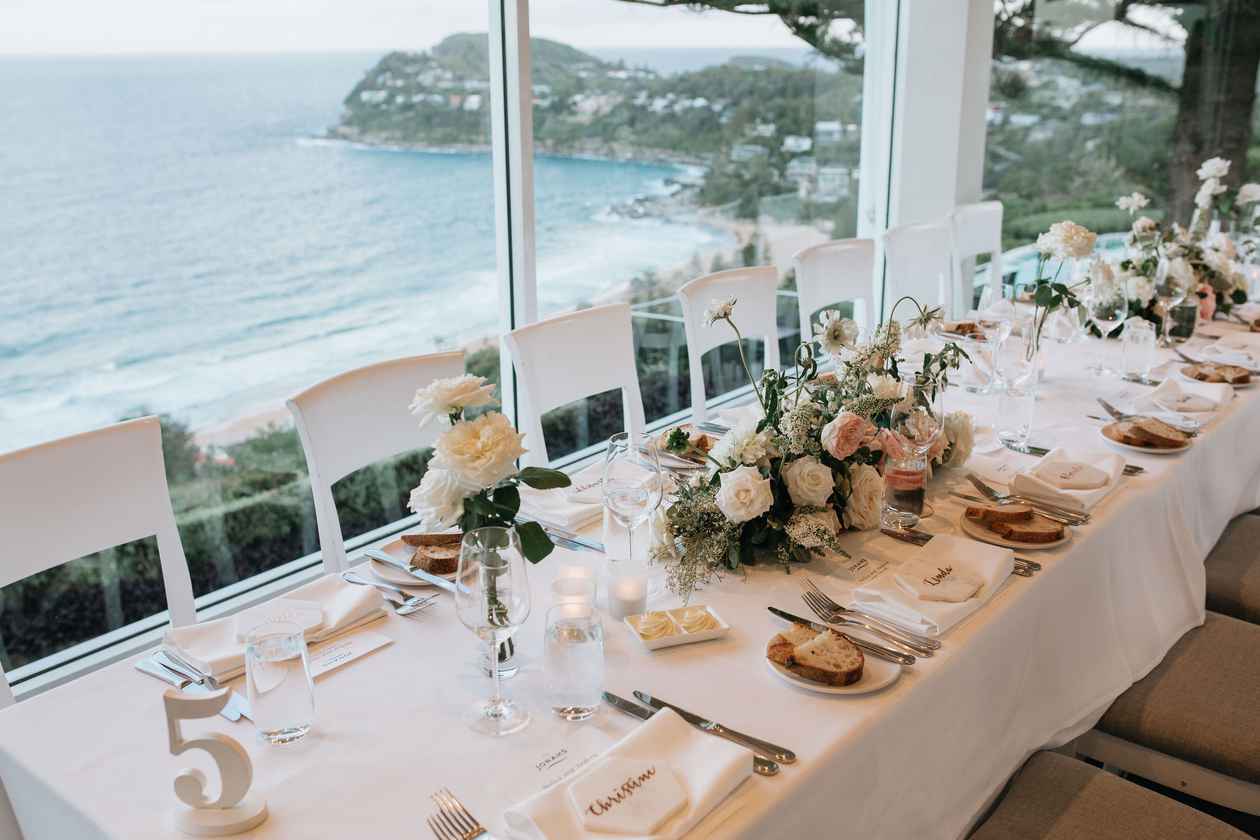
175,237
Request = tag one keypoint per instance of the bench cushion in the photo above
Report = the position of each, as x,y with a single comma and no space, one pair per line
1054,797
1233,571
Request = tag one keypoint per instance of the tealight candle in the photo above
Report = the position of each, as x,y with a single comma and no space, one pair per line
573,589
627,595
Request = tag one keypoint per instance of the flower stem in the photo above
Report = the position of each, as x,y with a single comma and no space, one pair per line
739,343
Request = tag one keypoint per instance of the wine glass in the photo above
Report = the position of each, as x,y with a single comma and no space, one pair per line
633,487
1171,290
492,600
915,425
1107,306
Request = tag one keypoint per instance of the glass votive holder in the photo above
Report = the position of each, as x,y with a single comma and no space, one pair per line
573,589
627,589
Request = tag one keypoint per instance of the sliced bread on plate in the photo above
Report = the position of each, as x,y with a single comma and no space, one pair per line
826,658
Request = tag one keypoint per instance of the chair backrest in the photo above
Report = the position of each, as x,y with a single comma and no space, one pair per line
82,494
831,272
756,289
568,357
358,418
978,230
920,263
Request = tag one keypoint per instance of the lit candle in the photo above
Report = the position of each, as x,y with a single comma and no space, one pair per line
573,589
627,595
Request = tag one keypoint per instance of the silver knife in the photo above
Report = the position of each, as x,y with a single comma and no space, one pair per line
771,751
762,766
153,669
166,658
1023,566
418,574
870,647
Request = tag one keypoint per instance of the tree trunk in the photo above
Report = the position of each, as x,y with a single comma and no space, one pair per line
1218,95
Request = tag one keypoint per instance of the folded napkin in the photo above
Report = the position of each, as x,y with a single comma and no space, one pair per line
213,646
1074,479
1224,353
732,417
1248,311
1241,341
708,768
1185,396
572,508
884,597
929,581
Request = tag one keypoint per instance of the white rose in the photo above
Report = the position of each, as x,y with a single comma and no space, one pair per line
1248,194
744,494
809,482
884,387
1210,189
1138,288
961,434
1213,168
439,500
833,333
481,452
1182,273
445,396
1132,202
719,310
1067,240
865,498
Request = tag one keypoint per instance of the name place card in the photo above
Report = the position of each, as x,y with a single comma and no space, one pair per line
624,796
333,654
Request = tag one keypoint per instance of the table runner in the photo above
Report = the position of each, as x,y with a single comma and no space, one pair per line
1035,667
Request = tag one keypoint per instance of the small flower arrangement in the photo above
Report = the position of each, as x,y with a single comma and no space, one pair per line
1064,241
786,486
473,480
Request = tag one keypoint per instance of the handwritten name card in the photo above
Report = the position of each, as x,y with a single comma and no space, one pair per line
624,796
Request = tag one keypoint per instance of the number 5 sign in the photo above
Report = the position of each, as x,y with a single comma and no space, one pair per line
234,810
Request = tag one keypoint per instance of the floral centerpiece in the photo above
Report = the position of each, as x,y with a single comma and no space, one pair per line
472,479
783,487
1065,242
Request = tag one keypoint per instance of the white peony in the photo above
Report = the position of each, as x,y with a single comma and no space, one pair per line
443,397
814,529
1209,190
961,433
809,482
884,387
719,310
1247,194
1213,168
743,444
744,494
481,452
864,498
439,500
1132,202
833,333
1067,240
1145,227
1182,273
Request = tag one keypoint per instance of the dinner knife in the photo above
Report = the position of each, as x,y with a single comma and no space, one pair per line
921,538
168,659
771,751
418,574
870,647
761,766
153,669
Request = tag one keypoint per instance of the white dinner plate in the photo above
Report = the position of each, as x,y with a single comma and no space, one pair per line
398,548
979,532
1244,386
876,674
1145,450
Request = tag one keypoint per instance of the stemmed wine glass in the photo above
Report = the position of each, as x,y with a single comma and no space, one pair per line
1171,290
1107,306
632,482
492,600
915,425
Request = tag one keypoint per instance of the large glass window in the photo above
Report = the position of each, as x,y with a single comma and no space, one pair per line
660,158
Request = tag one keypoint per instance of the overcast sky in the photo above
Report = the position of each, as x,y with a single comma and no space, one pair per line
131,26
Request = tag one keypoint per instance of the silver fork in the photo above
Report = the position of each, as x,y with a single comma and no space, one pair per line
452,821
828,616
1007,498
837,609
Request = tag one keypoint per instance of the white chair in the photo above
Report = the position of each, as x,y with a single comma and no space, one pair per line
977,231
358,418
831,272
563,359
920,263
76,496
756,289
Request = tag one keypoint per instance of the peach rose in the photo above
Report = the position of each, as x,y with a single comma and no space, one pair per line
894,445
843,435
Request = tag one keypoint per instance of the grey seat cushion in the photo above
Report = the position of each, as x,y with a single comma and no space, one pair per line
1233,570
1202,703
1054,797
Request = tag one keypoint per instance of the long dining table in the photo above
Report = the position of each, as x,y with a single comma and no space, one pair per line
1035,667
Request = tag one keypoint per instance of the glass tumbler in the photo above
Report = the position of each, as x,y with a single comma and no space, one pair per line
278,681
573,660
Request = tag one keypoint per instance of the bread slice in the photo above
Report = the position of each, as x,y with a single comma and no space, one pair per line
826,658
436,554
1127,432
1158,433
1038,529
988,514
1233,374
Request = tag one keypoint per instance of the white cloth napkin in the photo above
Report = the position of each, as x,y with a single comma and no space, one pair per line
1249,311
732,417
1241,354
884,597
1241,341
1185,396
212,646
1048,481
709,769
572,508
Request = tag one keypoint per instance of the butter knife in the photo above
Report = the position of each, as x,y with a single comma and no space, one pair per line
153,669
771,751
870,647
418,574
761,766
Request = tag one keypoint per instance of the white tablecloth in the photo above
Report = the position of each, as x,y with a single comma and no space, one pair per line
1035,667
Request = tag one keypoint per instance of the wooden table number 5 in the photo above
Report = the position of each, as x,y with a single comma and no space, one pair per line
235,810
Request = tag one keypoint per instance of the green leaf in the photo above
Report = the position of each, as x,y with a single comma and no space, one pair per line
507,500
535,544
1043,296
544,479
